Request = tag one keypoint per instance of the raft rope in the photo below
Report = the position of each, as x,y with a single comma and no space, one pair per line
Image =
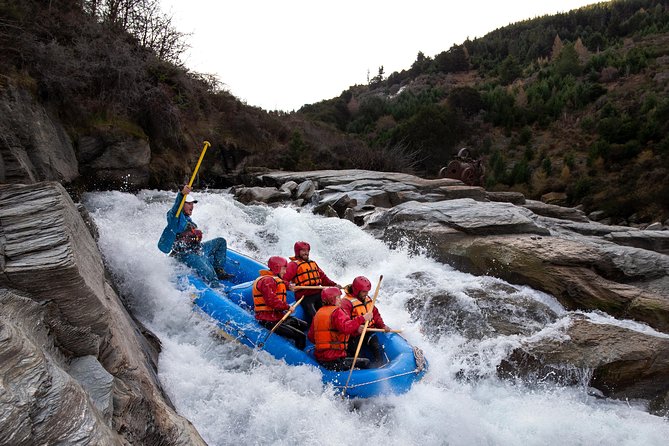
420,365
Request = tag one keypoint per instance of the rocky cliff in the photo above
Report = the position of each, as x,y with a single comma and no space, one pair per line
75,367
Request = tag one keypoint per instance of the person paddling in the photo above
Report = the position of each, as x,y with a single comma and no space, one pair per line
303,271
183,240
269,302
357,302
330,333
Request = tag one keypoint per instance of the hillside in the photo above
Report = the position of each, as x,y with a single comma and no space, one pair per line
573,104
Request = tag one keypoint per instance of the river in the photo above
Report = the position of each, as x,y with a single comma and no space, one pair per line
232,399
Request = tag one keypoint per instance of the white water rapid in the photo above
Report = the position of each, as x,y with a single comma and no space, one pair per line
461,401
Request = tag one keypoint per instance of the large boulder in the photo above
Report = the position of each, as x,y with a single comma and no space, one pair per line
465,215
619,362
555,211
651,240
257,194
327,178
59,310
512,243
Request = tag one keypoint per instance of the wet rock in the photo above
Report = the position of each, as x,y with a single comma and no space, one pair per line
326,210
68,310
478,314
248,195
96,381
343,204
579,275
115,158
506,197
623,363
551,210
37,396
376,198
290,187
34,147
556,198
597,215
306,190
589,228
465,215
327,178
455,192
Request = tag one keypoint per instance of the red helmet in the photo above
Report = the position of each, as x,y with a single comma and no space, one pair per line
275,264
360,283
329,295
299,246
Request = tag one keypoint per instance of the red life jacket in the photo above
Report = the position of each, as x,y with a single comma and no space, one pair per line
259,300
326,337
360,308
307,272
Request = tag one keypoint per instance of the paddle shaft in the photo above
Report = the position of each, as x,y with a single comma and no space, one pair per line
362,336
285,316
381,330
309,287
192,178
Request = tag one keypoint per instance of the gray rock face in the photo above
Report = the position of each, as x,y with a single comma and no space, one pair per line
466,215
96,381
37,396
551,210
68,329
248,195
508,197
290,186
623,363
305,190
650,240
33,147
115,158
338,177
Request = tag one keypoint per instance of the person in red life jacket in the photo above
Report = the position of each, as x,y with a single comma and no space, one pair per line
303,271
182,239
330,332
269,301
356,302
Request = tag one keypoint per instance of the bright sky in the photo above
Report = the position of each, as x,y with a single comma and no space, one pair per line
282,54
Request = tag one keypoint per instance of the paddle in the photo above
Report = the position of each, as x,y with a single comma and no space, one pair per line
192,178
309,287
381,330
362,336
285,316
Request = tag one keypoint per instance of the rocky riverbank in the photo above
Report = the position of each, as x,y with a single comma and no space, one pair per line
75,367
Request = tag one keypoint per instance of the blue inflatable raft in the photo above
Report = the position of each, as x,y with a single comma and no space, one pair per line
231,306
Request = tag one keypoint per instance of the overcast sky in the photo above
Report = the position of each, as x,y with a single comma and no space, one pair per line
282,54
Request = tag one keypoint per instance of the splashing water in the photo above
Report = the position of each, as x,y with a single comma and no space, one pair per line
232,400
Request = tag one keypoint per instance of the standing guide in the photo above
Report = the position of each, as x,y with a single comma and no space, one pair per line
182,239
